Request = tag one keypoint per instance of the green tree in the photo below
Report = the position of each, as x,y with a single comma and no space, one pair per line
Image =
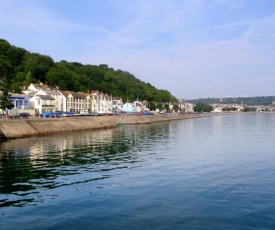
226,109
15,55
5,85
4,46
166,107
152,106
38,65
29,79
160,106
200,108
176,108
250,109
55,77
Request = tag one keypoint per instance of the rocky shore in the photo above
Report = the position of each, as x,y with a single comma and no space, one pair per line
20,128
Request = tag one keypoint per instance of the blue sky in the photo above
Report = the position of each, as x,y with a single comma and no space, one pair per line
193,48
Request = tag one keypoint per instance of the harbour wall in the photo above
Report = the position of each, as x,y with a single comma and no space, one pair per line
20,128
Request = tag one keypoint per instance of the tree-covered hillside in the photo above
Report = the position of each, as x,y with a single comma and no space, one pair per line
237,100
25,68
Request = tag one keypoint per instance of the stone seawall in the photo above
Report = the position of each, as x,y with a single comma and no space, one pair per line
10,129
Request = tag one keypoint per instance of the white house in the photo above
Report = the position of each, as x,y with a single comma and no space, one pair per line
20,101
76,101
44,98
43,89
139,107
101,102
189,108
94,102
43,103
117,104
64,101
129,108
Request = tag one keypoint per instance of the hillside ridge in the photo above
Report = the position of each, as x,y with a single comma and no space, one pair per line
23,67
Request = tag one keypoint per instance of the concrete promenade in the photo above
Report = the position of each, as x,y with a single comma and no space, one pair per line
20,128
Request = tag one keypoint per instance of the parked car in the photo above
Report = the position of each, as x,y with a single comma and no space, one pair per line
50,114
147,113
67,114
84,113
24,115
58,111
97,114
109,113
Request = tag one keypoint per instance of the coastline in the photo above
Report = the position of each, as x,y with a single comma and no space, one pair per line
11,129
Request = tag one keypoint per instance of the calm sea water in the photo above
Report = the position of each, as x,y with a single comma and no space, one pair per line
207,173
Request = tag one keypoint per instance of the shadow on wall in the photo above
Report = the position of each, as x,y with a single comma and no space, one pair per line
2,136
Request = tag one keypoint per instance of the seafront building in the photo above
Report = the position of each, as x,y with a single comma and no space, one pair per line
117,104
188,107
40,98
20,101
43,98
129,108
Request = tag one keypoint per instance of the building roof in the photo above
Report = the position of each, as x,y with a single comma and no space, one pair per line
117,98
78,95
47,91
45,87
19,95
31,93
65,92
41,86
137,103
45,97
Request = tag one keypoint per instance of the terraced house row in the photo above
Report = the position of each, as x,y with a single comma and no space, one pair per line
43,98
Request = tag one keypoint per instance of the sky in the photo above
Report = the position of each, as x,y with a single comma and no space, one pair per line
192,48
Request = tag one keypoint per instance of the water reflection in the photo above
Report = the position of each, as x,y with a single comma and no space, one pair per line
32,165
216,172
